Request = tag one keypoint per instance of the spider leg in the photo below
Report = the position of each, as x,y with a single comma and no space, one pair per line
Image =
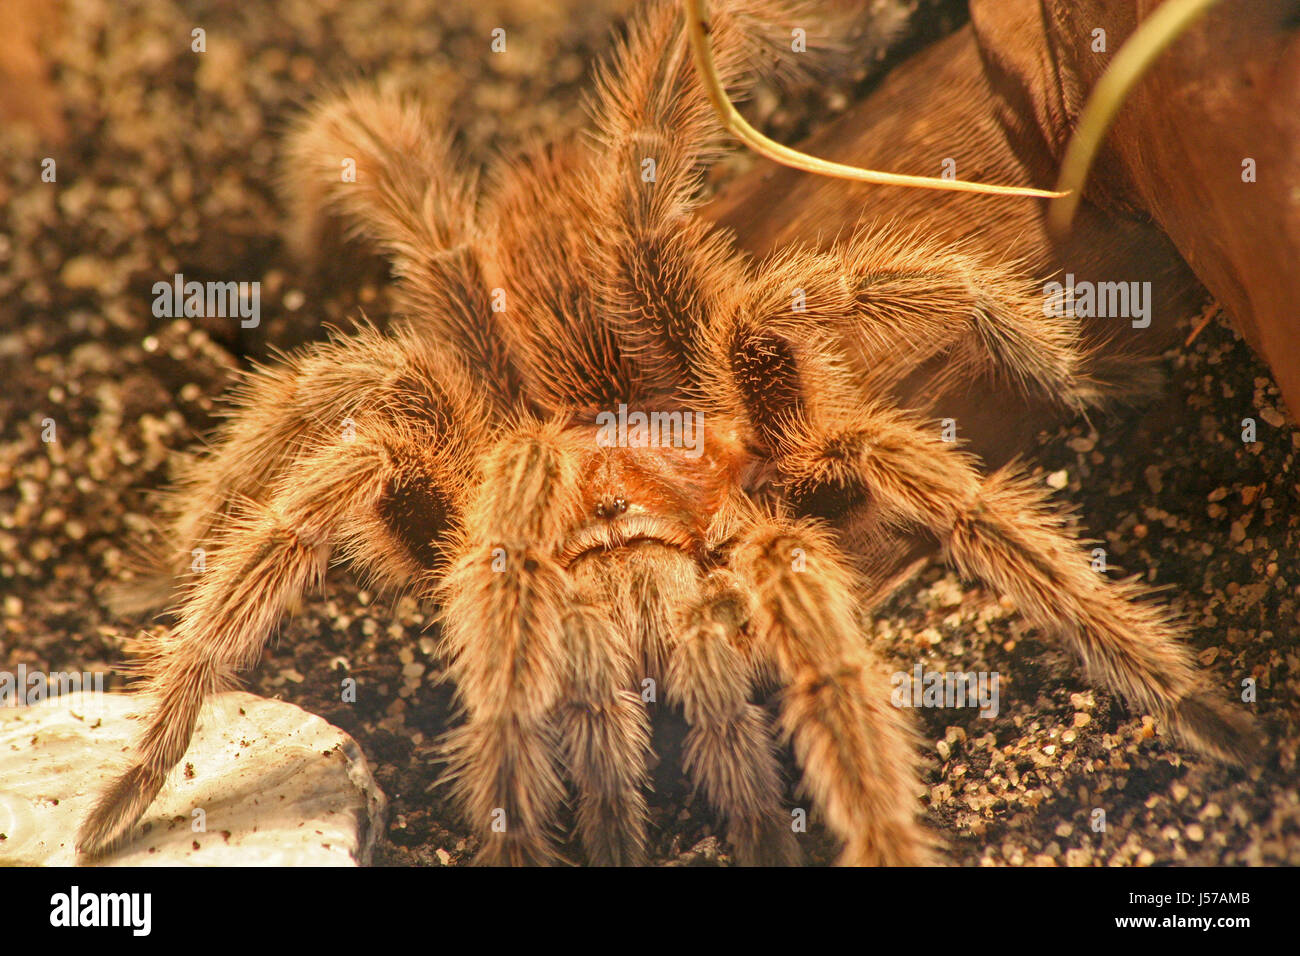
685,634
901,306
621,211
837,454
538,217
313,397
605,736
354,496
1004,531
857,751
657,134
729,751
402,194
507,627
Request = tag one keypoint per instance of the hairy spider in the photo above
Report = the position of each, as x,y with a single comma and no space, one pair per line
503,451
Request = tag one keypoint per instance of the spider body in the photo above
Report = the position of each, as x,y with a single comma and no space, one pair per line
616,452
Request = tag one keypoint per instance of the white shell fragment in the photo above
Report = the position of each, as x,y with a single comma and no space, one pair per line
264,783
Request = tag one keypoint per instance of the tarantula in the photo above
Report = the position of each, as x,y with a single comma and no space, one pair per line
466,454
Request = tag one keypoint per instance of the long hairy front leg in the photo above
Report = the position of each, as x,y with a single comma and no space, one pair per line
505,601
1003,530
604,733
899,304
266,557
729,750
839,456
405,194
661,269
858,752
315,396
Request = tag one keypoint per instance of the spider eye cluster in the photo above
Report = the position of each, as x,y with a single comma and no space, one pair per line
610,507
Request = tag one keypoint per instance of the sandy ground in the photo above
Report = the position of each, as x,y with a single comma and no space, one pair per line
168,165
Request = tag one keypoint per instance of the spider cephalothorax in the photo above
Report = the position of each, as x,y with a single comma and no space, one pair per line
615,451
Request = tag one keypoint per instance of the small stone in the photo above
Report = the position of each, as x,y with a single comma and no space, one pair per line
1058,480
84,272
930,636
1272,416
1154,481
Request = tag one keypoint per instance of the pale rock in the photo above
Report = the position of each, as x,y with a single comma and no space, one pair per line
278,786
